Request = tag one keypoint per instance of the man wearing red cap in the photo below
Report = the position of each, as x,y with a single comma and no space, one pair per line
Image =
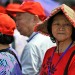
20,41
28,14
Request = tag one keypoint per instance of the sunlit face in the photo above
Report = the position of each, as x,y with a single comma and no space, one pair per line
61,28
24,23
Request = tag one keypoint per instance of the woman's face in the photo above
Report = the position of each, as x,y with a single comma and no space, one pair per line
61,28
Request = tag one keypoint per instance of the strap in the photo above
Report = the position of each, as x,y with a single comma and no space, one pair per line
66,69
11,52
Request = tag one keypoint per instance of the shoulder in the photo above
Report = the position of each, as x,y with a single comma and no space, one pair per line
49,51
7,57
7,61
72,66
14,51
72,58
42,36
41,39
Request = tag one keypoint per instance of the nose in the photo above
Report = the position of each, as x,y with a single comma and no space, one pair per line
61,27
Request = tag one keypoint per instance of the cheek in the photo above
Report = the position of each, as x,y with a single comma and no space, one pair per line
30,28
54,30
18,24
69,32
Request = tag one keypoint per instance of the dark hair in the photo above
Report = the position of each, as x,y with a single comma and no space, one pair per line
49,28
12,16
6,39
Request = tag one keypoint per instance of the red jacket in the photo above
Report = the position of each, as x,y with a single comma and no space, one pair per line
59,69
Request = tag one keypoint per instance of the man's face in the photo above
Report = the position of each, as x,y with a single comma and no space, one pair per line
24,23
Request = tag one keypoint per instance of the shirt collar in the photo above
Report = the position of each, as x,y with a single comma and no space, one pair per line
33,34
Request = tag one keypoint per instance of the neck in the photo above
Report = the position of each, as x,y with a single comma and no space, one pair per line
61,46
3,46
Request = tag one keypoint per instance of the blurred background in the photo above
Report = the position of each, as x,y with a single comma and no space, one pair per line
48,5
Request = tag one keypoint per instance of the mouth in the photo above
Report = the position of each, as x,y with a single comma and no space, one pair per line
61,33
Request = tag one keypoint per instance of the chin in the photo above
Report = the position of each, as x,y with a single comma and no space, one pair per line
21,33
61,39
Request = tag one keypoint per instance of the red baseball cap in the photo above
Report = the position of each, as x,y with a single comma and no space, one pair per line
31,7
2,9
12,6
7,24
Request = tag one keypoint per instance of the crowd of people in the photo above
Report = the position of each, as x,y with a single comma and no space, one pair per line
49,46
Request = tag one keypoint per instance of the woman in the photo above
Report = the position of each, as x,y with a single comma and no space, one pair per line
59,60
9,62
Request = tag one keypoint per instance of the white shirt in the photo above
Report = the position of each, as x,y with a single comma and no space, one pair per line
33,53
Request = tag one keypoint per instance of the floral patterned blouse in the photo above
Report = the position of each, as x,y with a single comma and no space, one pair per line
8,64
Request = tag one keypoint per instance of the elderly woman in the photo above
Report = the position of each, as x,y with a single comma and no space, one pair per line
59,60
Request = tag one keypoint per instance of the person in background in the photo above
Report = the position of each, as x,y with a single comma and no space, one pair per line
28,15
2,9
9,61
20,40
60,25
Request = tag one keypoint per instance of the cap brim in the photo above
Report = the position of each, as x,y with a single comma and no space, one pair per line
15,10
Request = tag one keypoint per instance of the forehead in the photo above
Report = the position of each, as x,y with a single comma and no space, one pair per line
23,15
61,17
